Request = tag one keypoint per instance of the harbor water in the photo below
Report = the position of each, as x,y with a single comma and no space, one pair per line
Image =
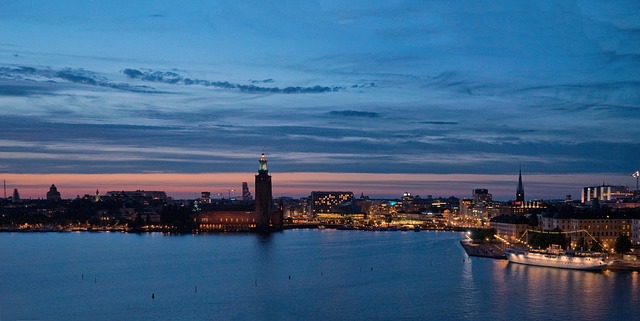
300,274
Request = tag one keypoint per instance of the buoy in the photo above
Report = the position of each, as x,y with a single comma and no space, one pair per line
289,277
153,296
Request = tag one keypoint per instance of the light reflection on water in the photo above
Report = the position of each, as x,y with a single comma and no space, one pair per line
293,275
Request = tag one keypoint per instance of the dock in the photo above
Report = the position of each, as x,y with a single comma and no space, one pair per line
483,249
624,265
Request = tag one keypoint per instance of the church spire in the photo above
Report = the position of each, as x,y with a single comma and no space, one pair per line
520,190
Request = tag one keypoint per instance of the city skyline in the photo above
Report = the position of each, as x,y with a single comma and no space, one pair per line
190,186
433,98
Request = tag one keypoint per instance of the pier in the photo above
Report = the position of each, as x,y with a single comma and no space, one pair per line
484,249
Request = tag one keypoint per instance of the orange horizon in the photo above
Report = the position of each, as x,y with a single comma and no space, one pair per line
186,185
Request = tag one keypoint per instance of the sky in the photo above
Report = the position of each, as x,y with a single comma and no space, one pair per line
431,97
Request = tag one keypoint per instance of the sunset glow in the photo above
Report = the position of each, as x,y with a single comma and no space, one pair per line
299,184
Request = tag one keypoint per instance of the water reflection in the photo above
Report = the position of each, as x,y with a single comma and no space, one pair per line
550,291
334,275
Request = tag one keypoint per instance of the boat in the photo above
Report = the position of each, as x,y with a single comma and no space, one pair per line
554,256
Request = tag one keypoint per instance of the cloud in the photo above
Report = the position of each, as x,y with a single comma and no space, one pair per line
368,85
265,81
354,113
38,76
439,122
77,76
173,78
24,88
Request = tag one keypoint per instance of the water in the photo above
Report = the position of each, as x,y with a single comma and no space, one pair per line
293,275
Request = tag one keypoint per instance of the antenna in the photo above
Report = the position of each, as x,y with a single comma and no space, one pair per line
5,188
263,148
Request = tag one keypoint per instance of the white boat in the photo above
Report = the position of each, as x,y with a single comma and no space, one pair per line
555,257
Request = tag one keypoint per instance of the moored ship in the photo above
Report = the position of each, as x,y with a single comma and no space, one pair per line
555,257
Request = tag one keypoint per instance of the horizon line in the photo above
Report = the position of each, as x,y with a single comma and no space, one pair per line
302,183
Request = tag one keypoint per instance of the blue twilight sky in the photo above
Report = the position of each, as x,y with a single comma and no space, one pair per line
394,87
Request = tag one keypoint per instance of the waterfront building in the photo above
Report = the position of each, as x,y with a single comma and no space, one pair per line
264,198
228,221
297,207
328,202
263,218
53,194
365,204
510,227
586,224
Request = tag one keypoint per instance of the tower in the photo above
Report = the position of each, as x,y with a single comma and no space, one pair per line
246,195
16,196
53,194
264,199
520,190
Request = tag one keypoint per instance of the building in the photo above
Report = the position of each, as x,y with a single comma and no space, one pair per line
482,195
205,197
588,225
522,207
606,193
227,221
263,218
53,194
510,227
264,198
246,195
15,198
635,231
139,195
328,202
465,208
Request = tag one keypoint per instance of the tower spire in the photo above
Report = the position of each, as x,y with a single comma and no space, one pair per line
520,190
263,165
